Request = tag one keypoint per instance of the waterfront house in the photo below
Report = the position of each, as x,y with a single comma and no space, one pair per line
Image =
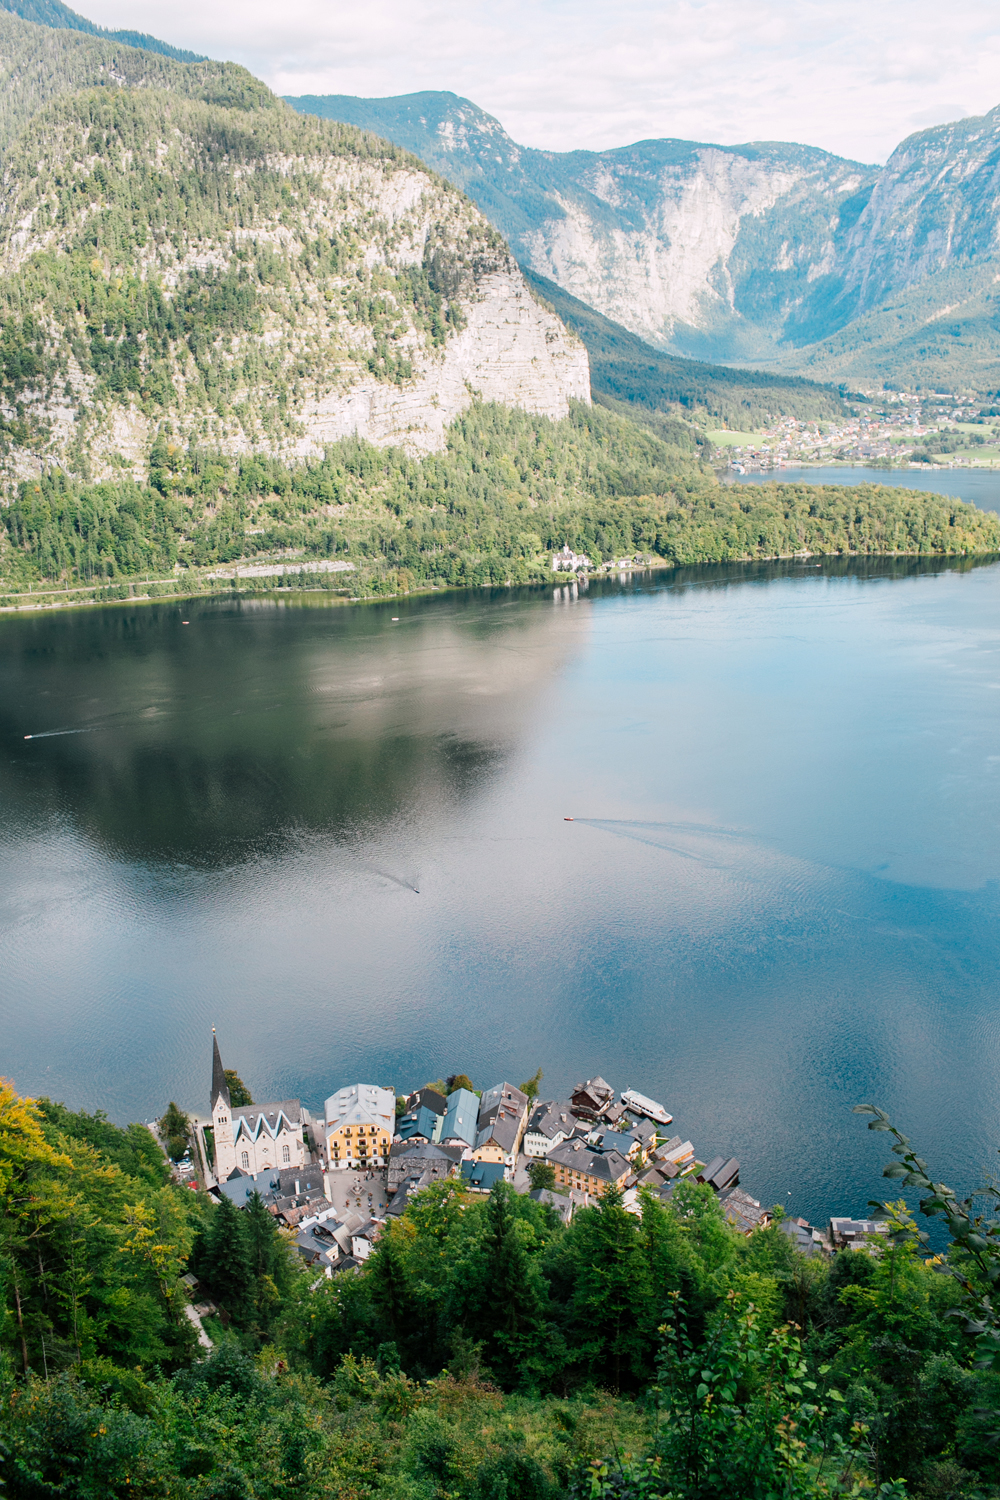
548,1126
460,1124
590,1099
856,1234
744,1212
721,1174
428,1098
252,1137
360,1124
568,561
423,1122
578,1166
503,1116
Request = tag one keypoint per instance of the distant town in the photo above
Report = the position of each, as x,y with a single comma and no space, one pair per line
897,429
337,1179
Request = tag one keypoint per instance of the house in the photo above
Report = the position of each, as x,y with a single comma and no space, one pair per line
721,1174
590,1099
744,1212
480,1176
253,1137
681,1154
566,560
548,1125
578,1166
293,1194
622,1141
503,1116
564,1204
856,1234
412,1158
806,1239
422,1122
428,1098
363,1240
460,1125
360,1124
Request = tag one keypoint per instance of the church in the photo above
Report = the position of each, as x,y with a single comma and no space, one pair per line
252,1137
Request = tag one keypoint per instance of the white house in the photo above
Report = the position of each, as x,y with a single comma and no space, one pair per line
549,1125
569,561
253,1137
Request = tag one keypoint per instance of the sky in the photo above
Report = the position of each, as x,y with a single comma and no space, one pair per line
852,76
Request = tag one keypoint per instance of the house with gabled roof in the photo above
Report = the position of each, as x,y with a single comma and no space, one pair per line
578,1166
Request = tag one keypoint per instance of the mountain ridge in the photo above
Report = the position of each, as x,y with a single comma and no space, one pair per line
55,14
767,253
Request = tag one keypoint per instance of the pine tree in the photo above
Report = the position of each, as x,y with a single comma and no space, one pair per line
227,1263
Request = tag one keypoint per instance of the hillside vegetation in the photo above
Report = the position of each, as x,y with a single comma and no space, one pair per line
54,13
509,489
624,368
484,1351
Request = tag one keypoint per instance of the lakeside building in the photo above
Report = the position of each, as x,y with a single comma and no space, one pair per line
503,1116
252,1137
550,1124
360,1123
578,1166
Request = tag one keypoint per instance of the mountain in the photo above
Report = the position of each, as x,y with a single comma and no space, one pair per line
252,278
706,250
769,252
54,13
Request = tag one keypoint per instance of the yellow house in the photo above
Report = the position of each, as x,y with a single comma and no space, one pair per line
360,1121
576,1166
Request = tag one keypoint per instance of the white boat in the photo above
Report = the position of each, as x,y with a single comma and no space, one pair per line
640,1105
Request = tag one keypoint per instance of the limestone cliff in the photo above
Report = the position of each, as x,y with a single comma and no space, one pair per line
248,279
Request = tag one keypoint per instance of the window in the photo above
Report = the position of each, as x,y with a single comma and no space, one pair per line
245,1159
286,1155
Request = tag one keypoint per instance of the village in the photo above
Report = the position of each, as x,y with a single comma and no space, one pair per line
895,429
337,1179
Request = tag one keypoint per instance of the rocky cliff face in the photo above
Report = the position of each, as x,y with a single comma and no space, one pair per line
707,250
249,280
767,252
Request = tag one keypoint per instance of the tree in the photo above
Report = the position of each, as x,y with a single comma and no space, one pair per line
175,1127
239,1094
511,1312
460,1081
541,1174
226,1265
532,1086
612,1292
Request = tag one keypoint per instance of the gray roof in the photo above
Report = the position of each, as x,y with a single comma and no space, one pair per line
578,1157
550,1118
501,1097
219,1085
253,1118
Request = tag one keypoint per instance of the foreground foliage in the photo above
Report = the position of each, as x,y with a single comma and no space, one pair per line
484,1351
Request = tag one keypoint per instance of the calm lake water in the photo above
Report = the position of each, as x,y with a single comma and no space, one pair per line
979,486
340,839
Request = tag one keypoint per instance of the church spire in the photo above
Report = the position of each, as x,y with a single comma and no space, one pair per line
220,1088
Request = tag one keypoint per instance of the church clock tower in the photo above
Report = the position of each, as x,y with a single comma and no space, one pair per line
222,1116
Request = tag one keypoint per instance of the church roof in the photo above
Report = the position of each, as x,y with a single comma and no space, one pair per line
219,1084
253,1119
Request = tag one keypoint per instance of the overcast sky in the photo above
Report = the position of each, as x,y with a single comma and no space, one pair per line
852,76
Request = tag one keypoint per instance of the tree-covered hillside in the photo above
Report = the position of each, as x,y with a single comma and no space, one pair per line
484,1351
623,368
39,64
54,13
508,491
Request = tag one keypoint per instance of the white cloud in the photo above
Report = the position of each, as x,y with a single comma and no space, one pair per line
852,76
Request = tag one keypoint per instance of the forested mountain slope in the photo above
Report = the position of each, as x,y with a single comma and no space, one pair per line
39,64
626,369
252,277
55,13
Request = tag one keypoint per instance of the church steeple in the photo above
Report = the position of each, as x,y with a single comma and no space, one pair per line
220,1088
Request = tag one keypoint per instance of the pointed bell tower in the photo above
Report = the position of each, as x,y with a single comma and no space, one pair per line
222,1118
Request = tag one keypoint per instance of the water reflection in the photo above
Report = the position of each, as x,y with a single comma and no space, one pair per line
253,722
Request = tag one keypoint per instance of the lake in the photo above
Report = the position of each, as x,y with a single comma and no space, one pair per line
339,837
979,486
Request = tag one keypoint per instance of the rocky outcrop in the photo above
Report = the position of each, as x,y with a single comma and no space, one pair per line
263,283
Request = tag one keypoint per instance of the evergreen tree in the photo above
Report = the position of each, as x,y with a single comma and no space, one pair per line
227,1266
612,1293
511,1316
